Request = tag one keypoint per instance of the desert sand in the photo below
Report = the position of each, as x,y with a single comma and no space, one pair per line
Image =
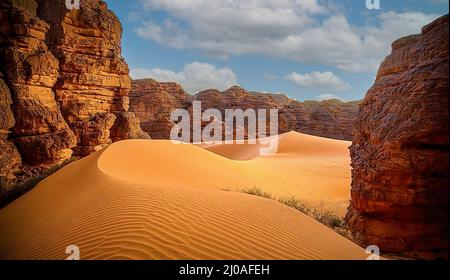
148,199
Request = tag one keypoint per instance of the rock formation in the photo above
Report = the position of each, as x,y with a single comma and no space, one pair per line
30,70
153,102
9,157
93,83
329,118
64,85
400,150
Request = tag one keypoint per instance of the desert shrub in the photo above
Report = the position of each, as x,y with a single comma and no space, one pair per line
258,192
293,202
326,218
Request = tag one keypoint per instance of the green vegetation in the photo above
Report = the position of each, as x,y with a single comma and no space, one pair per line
327,218
257,191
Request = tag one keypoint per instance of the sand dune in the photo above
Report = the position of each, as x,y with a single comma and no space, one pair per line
141,199
289,144
315,170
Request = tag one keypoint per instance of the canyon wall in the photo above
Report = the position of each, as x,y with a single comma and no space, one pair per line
64,85
10,160
400,150
30,71
93,84
153,102
329,118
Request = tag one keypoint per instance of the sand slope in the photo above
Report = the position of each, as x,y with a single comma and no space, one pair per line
142,199
314,169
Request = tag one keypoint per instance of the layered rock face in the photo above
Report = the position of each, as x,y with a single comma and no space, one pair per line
154,101
10,160
40,132
93,83
64,85
329,118
400,150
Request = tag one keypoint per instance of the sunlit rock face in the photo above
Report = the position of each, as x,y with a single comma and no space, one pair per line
30,71
400,150
64,84
93,84
153,102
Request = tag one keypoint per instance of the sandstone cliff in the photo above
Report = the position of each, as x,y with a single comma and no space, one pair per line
10,160
329,118
64,85
93,84
30,70
400,150
153,102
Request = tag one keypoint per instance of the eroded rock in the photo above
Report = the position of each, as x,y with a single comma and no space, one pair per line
400,150
30,71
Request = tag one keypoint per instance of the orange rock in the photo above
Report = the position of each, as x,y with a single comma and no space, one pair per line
400,150
93,77
30,70
10,160
66,78
153,102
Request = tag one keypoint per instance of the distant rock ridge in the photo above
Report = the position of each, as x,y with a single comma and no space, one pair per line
64,84
400,150
153,102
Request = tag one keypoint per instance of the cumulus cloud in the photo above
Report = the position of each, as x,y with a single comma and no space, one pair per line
306,31
194,77
322,81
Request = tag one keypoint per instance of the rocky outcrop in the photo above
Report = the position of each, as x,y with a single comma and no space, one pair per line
400,150
10,160
93,81
153,102
127,126
329,118
30,71
64,85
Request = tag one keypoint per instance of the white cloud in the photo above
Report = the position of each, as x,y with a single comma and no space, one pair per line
322,81
327,96
289,29
194,77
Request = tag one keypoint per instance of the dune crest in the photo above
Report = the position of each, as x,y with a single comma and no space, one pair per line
315,170
112,209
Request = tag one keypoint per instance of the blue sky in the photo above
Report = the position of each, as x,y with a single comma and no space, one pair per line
306,49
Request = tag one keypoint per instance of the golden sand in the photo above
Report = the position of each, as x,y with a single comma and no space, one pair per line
146,199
